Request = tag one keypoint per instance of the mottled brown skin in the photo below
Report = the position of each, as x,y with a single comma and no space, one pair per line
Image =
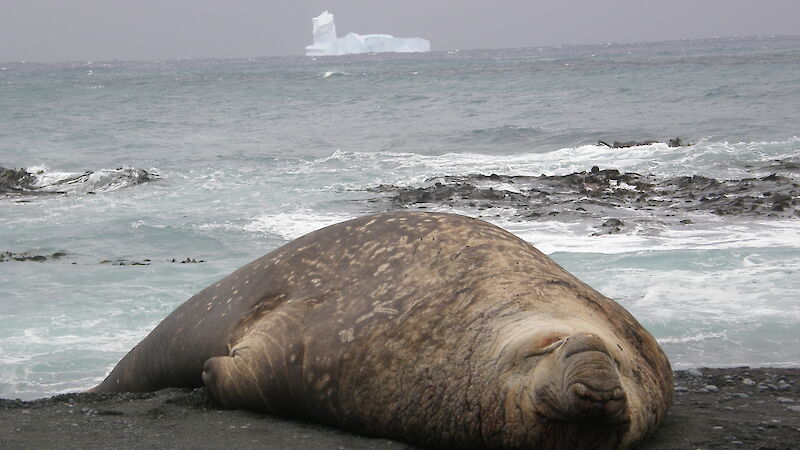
434,329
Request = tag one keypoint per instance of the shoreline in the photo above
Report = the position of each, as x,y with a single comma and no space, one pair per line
712,408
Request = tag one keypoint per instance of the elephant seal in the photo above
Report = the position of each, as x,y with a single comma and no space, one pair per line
434,329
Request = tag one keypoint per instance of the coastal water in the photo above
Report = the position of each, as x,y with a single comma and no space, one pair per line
138,166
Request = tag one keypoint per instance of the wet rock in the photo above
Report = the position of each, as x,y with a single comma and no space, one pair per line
675,142
15,180
694,373
188,261
125,262
610,226
27,256
613,223
627,144
602,192
21,182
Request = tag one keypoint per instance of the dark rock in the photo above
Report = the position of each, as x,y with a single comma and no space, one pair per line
124,262
26,256
15,180
598,192
20,182
628,144
675,142
189,261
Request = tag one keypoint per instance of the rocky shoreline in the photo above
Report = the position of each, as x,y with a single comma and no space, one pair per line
20,184
713,409
6,256
609,192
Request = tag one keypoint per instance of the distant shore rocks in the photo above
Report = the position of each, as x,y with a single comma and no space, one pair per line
147,262
674,142
20,182
15,180
7,256
125,262
609,195
27,256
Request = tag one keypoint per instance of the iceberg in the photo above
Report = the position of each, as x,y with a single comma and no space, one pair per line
326,43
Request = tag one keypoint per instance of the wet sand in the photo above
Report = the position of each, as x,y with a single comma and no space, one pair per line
713,408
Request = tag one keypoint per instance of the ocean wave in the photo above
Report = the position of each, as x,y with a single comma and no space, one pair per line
41,180
699,337
577,237
704,156
334,73
293,224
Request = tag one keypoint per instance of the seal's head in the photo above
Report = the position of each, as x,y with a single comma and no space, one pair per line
581,384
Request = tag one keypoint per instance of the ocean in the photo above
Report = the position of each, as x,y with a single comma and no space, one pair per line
146,181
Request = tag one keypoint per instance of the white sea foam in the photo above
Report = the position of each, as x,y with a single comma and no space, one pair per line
691,338
293,224
332,73
659,159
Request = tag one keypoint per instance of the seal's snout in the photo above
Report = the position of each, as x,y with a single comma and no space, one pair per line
592,386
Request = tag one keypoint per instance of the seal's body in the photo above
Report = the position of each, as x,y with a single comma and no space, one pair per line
434,329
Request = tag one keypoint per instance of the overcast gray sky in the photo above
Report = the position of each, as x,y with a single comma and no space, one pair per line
96,30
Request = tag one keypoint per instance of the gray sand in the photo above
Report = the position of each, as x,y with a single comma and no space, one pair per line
713,408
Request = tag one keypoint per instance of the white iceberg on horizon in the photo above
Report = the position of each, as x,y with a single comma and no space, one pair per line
327,44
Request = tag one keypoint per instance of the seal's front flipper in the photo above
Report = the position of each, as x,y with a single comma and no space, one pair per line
234,382
262,372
